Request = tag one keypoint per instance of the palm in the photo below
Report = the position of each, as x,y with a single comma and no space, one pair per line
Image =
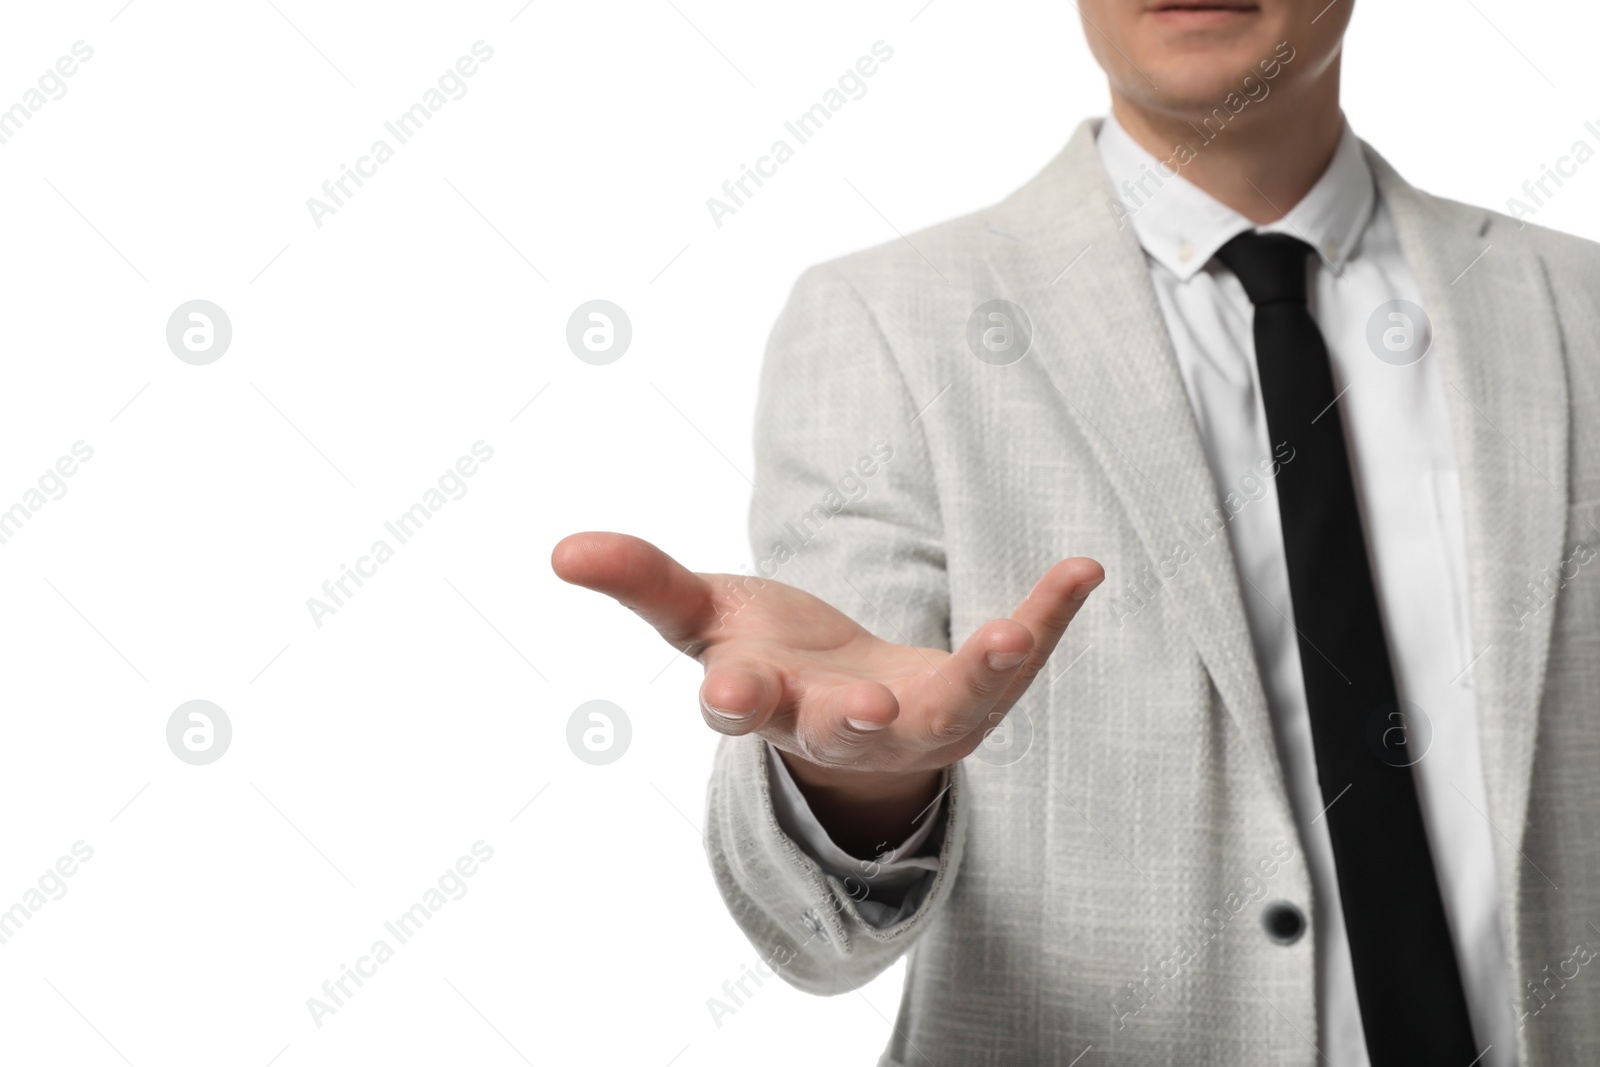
821,656
812,681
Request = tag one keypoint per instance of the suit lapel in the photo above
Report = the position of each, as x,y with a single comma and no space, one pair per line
1100,336
1500,351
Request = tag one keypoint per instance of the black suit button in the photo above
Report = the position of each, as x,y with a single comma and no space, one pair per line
1284,922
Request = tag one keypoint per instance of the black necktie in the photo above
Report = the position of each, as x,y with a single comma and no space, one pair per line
1413,1009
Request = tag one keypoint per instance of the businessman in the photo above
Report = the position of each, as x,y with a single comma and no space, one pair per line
1315,776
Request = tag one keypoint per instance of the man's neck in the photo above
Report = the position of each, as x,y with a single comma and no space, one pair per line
1261,166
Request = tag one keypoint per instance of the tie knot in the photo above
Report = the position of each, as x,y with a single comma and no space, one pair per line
1270,266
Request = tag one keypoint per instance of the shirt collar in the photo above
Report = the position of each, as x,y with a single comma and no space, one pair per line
1182,227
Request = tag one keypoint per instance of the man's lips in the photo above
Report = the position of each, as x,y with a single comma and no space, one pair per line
1200,13
1201,5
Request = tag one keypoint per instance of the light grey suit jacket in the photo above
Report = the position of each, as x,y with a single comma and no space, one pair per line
1107,887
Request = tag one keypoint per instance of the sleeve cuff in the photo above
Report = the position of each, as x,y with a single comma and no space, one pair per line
885,889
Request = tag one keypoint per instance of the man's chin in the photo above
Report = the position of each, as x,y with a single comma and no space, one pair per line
1196,101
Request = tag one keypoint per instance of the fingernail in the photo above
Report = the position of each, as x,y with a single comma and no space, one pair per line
724,714
1085,588
1004,661
864,726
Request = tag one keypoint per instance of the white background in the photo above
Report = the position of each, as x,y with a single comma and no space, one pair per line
368,354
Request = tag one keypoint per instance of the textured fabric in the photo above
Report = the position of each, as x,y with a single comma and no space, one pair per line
1408,482
1396,415
886,888
1413,1006
1107,887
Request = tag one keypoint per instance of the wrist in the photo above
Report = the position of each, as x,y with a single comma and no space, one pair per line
862,786
864,812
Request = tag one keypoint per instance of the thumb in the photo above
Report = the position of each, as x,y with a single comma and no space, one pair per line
641,577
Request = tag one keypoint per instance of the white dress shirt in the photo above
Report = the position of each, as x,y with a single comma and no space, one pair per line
1407,486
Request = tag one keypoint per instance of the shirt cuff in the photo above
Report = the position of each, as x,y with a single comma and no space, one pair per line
885,889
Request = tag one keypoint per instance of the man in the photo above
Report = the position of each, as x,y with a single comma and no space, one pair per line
1316,777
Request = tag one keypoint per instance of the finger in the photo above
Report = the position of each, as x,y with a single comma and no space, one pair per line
1049,608
953,699
662,591
836,726
739,695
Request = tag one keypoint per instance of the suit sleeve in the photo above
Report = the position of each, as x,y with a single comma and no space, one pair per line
886,888
845,507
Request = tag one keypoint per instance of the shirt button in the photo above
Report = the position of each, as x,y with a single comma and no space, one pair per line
1331,250
1284,922
1185,251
